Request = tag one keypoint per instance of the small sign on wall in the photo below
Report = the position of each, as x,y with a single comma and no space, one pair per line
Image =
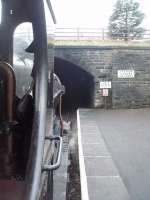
105,92
126,73
105,84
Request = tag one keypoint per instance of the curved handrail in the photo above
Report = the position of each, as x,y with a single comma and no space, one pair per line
54,166
34,169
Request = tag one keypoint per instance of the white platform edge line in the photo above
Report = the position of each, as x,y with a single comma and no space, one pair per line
83,178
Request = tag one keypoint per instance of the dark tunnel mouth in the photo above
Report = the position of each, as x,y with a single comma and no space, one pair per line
79,85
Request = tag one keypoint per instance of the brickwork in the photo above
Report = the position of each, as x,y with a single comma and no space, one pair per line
103,63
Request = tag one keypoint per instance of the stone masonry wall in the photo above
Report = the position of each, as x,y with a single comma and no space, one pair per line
134,92
103,63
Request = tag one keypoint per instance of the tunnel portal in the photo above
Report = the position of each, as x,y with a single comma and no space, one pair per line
78,83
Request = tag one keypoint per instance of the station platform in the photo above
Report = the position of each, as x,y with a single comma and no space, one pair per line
114,154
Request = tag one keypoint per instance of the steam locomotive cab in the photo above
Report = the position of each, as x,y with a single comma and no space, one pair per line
28,97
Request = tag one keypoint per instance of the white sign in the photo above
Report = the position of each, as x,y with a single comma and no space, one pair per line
126,73
105,84
105,92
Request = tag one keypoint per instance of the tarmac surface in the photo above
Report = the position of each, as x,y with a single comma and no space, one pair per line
116,148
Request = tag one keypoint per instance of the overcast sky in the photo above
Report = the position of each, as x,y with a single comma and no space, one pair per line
91,13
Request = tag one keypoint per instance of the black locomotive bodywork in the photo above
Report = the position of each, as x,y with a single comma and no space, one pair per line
30,150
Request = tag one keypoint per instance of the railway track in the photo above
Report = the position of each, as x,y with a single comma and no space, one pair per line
67,178
73,186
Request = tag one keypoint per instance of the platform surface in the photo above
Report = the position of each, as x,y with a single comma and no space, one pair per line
116,153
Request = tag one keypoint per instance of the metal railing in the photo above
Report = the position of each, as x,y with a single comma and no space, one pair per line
81,34
91,34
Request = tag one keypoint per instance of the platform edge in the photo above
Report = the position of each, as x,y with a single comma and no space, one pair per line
83,178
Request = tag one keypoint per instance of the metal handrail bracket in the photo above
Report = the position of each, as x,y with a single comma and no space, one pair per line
49,167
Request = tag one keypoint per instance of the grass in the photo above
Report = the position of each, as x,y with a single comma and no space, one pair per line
142,43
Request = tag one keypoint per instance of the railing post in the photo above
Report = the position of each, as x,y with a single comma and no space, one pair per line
78,33
103,34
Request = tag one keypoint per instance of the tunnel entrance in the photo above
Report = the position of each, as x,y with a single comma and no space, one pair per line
79,85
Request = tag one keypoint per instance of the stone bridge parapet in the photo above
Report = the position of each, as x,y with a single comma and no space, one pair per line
127,68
